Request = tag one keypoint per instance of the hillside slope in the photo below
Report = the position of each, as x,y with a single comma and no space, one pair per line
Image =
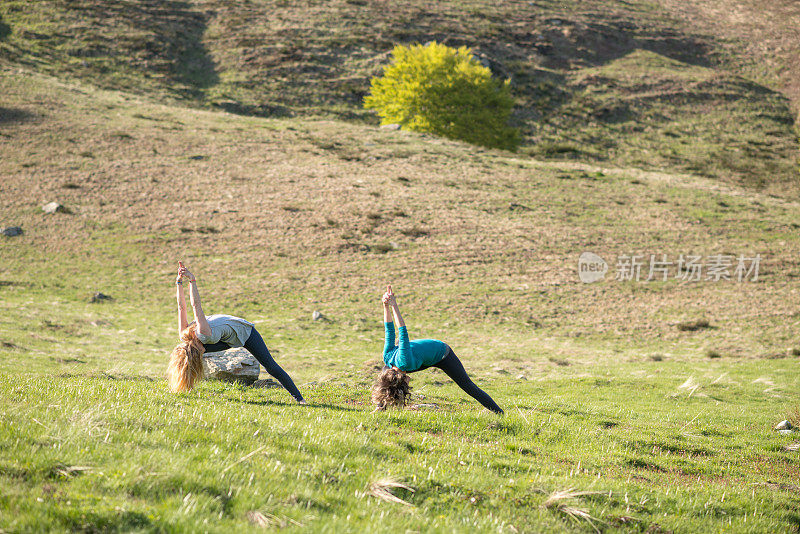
320,213
630,83
630,405
608,388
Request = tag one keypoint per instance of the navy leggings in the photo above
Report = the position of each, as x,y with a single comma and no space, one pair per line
453,368
255,345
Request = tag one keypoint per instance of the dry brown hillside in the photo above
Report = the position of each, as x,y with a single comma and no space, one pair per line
698,87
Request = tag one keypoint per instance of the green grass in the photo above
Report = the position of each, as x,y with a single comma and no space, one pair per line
648,130
118,452
603,392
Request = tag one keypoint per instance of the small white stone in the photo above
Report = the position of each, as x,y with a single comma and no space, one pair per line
53,207
784,425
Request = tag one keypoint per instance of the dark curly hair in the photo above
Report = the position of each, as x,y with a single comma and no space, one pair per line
391,388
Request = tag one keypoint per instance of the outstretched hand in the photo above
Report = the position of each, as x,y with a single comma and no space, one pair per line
388,297
183,272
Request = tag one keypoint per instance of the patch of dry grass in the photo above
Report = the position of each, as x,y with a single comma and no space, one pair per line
564,501
382,489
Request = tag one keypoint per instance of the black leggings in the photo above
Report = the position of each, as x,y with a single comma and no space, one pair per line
255,345
453,368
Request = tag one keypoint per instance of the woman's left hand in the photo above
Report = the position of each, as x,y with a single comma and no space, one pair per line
183,272
389,295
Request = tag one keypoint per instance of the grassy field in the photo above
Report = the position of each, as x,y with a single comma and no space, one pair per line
632,406
668,429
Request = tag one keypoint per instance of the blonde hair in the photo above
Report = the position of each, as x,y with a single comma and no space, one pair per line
186,362
391,388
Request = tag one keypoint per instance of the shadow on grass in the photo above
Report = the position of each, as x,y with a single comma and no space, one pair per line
11,115
332,407
176,36
794,521
5,29
106,376
310,405
82,520
108,41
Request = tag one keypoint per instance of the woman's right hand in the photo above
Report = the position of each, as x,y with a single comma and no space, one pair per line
388,297
183,272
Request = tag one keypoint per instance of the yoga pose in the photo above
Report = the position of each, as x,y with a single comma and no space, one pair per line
391,388
212,334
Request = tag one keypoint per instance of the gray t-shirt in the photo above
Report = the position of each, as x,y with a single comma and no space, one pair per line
228,329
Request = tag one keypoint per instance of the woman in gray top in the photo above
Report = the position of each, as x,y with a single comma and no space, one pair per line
211,334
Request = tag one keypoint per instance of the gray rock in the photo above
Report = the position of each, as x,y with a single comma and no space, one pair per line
316,316
522,377
232,365
11,231
390,126
784,425
54,207
100,297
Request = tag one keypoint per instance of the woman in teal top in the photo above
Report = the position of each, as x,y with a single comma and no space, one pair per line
391,388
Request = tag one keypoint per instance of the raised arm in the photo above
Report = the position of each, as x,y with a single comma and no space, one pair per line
395,309
194,297
404,353
387,306
388,324
182,320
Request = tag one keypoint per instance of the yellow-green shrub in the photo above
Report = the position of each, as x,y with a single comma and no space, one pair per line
444,91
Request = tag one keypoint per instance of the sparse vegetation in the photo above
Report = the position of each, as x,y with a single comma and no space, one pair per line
414,231
383,248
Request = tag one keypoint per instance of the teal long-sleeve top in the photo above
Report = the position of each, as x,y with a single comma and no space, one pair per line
411,355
